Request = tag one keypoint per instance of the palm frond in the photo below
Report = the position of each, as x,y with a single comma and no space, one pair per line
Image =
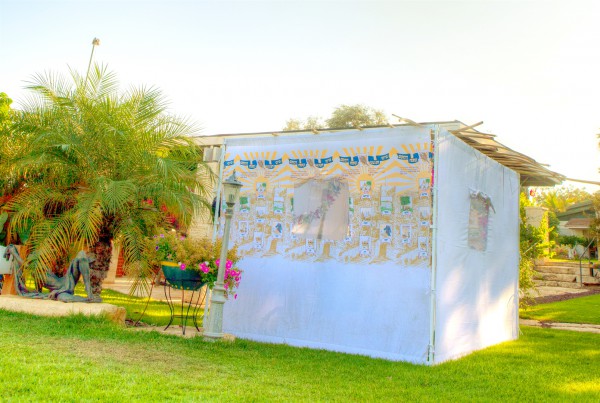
50,239
88,216
132,236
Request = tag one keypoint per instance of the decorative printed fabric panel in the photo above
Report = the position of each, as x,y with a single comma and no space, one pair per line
325,199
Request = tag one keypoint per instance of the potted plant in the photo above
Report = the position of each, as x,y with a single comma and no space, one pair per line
189,263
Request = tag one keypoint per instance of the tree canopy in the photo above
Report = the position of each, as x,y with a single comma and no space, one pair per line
344,116
5,109
87,164
559,198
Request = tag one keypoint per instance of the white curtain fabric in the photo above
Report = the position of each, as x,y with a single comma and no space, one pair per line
365,294
476,282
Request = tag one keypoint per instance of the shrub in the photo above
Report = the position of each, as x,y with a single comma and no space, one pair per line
572,240
195,254
532,244
561,251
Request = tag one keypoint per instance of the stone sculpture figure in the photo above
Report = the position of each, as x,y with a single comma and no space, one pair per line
61,288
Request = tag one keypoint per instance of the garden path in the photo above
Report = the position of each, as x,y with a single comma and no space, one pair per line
577,327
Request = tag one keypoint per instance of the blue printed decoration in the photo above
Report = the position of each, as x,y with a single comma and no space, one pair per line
249,163
228,163
352,161
376,160
411,158
272,163
299,162
321,162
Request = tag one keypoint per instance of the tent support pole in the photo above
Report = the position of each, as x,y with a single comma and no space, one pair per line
434,220
516,295
221,163
218,191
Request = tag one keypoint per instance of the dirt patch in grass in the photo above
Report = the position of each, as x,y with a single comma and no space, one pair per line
96,349
563,297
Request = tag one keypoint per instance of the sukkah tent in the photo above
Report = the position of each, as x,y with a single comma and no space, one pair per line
398,242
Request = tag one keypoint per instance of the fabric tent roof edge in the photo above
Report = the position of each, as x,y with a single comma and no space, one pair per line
532,173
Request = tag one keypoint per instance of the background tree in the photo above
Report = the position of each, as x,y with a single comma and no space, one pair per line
595,226
557,199
314,123
293,124
5,109
344,116
347,116
97,165
531,245
7,114
310,123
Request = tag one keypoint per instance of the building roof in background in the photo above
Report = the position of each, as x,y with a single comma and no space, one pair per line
582,209
579,223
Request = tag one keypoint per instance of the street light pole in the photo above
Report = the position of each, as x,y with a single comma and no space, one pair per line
95,42
214,328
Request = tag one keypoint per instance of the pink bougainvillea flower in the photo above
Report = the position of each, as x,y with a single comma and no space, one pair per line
182,265
235,296
228,264
162,235
204,267
217,262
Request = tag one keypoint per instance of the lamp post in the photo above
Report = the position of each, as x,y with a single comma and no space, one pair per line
214,328
95,42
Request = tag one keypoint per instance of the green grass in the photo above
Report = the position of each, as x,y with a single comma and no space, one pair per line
89,359
157,312
585,261
576,310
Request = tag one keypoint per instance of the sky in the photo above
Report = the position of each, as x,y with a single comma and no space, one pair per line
528,69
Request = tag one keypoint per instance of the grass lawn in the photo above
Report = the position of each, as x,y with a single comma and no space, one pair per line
157,312
89,359
576,310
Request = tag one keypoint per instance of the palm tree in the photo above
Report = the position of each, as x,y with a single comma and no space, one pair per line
553,201
95,165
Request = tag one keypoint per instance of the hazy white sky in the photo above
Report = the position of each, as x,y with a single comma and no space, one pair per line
528,69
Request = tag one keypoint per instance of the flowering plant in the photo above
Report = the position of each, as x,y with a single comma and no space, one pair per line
199,255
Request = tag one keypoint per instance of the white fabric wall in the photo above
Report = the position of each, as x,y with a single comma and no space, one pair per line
380,309
375,311
476,290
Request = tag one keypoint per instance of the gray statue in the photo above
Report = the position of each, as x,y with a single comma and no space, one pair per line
61,288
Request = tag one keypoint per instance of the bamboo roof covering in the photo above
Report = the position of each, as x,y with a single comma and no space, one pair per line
532,172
